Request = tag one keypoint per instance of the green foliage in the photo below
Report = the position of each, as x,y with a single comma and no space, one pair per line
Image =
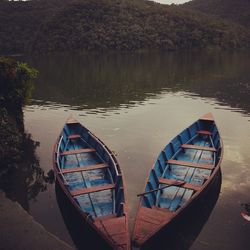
234,10
44,26
132,25
20,20
26,75
15,85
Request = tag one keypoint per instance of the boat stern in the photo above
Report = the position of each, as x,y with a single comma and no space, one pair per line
148,222
115,229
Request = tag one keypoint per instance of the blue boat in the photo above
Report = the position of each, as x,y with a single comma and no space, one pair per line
182,172
89,174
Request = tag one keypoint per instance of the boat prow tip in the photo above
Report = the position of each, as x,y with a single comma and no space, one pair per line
208,117
71,119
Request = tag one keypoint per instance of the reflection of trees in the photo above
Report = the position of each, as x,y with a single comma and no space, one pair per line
24,182
20,174
112,80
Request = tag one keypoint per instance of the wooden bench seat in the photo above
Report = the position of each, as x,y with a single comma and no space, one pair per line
91,189
191,164
78,151
71,137
204,132
84,168
184,185
190,146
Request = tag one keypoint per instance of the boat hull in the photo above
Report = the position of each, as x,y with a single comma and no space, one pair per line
175,182
100,197
182,230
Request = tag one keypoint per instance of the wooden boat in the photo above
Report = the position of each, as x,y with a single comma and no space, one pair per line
90,176
182,172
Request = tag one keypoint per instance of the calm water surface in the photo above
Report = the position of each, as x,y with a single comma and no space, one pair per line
136,103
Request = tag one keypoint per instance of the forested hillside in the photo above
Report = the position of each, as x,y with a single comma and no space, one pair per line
19,21
134,24
41,26
234,10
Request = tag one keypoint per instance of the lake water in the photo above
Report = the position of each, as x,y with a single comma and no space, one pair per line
136,103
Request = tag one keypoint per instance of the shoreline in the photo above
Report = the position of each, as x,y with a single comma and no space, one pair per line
21,231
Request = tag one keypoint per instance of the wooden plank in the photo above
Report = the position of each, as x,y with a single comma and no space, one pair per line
116,229
149,221
71,137
78,151
190,146
91,189
84,168
191,164
204,132
177,199
184,185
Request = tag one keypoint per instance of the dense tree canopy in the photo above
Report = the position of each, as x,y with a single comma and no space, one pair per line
234,10
20,20
53,25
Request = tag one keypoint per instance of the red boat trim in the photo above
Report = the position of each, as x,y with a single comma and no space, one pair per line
84,168
115,228
190,164
190,146
149,221
78,151
204,132
91,190
74,136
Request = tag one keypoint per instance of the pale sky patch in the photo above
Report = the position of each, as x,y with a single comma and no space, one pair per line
171,1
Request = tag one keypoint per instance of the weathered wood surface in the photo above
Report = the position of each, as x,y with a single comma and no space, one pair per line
149,221
92,189
78,151
115,229
191,164
84,168
204,132
190,146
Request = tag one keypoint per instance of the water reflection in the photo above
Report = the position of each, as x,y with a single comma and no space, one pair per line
182,233
111,81
25,181
134,91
